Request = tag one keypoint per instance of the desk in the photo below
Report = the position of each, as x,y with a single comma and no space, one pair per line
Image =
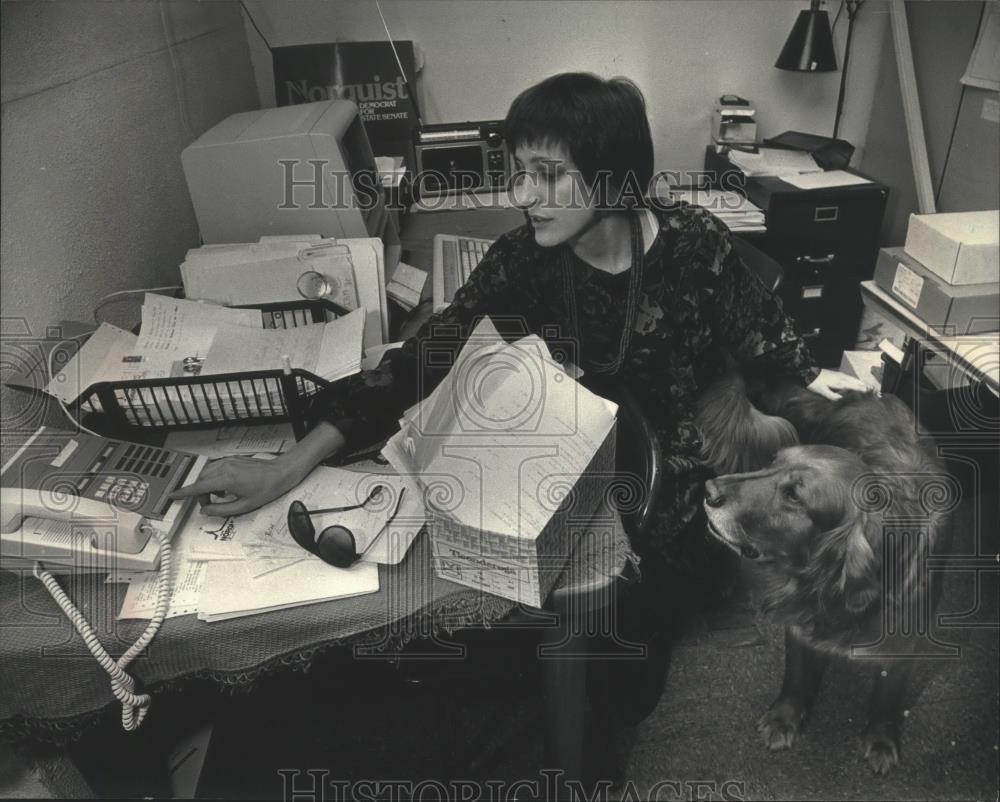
54,691
71,691
978,355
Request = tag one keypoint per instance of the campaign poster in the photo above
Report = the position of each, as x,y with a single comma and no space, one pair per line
364,72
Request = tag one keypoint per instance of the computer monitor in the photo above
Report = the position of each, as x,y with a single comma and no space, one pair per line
302,169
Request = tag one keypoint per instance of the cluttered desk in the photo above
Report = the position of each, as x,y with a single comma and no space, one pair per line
232,598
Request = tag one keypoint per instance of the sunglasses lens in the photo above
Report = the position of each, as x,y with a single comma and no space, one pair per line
336,546
300,526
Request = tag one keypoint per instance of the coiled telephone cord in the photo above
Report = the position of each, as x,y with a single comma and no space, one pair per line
134,706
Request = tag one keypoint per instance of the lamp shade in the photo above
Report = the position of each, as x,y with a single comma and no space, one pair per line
809,47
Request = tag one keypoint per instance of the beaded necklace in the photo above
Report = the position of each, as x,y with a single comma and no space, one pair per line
631,299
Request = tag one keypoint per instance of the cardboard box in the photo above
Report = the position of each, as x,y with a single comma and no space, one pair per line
863,365
960,247
965,309
524,568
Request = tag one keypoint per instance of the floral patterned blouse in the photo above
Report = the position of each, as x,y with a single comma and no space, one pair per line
698,302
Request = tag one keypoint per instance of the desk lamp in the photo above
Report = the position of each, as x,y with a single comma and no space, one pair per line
809,47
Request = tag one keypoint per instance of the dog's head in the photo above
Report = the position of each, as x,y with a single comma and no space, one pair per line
798,517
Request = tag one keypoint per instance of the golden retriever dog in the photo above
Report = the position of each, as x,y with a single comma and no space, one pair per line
834,530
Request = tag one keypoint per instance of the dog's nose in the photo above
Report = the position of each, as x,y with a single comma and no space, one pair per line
713,495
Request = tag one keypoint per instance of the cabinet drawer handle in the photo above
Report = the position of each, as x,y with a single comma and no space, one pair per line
826,214
816,260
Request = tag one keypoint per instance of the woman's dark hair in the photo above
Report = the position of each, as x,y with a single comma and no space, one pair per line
601,123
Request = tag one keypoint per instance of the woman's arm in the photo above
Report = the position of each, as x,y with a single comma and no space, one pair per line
366,407
247,483
749,320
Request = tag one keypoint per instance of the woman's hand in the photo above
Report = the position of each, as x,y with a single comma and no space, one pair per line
245,483
830,383
248,483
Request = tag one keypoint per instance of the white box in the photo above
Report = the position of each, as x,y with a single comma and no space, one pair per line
525,568
960,247
863,365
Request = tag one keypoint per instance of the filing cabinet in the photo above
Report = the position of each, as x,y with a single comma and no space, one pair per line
826,241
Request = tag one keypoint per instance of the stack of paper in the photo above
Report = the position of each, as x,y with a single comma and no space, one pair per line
738,213
174,337
181,338
348,272
774,161
505,426
330,350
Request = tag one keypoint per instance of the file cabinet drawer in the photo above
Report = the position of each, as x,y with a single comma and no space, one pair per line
813,218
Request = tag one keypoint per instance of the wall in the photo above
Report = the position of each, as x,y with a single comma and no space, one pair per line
962,147
683,54
96,109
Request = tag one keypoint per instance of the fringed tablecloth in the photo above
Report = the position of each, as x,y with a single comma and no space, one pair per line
53,690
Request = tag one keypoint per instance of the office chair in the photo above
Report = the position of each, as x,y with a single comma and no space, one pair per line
507,666
762,265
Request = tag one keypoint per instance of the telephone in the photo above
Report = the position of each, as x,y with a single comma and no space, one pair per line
85,503
90,503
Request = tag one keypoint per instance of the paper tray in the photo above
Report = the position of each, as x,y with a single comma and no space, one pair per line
268,396
192,402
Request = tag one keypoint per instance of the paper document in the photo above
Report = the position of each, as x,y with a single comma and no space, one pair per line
406,285
830,178
99,359
176,334
187,577
774,161
374,355
329,350
228,441
736,211
230,591
392,518
501,434
187,581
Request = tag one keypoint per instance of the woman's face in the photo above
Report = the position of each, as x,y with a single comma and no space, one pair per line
549,188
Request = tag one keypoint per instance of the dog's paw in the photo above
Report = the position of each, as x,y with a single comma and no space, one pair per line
881,751
780,725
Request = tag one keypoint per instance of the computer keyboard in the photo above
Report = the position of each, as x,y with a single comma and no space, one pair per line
454,260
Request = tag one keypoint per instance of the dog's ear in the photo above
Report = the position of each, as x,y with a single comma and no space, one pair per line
859,579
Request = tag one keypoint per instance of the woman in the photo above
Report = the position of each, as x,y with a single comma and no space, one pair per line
650,300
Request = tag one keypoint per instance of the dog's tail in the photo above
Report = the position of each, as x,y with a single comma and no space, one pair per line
736,436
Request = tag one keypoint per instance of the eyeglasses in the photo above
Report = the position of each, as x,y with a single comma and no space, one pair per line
336,544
